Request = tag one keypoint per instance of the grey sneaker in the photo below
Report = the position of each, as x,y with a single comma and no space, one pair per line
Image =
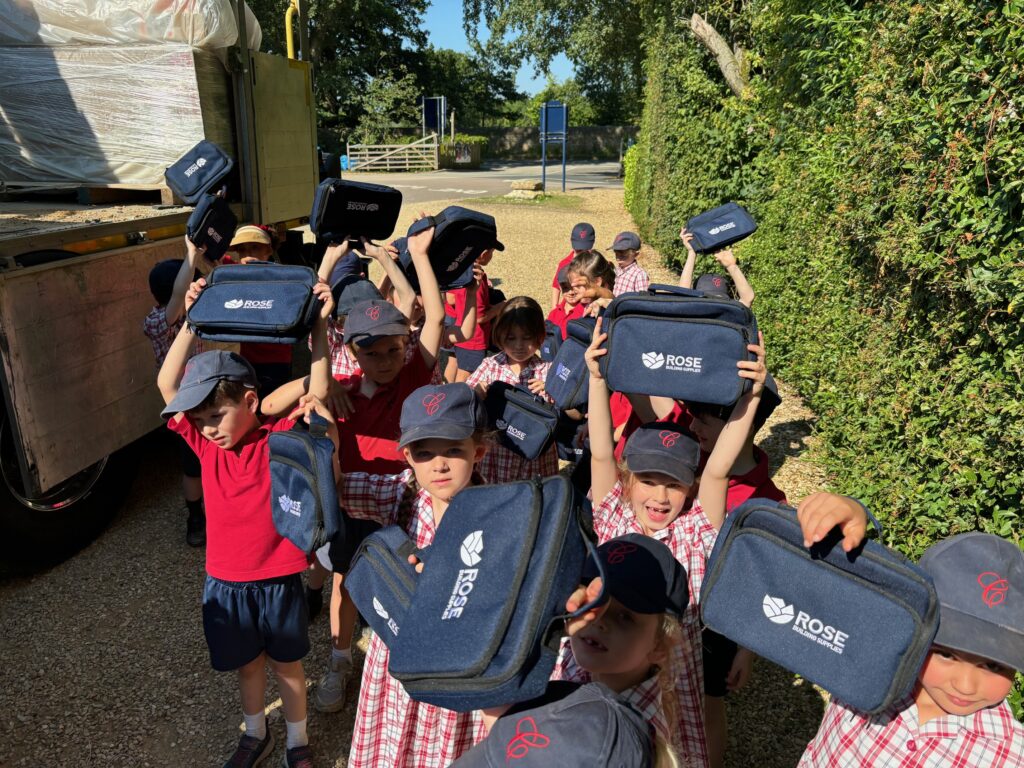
251,751
330,691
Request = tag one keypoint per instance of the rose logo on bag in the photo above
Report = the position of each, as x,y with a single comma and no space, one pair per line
994,588
668,439
373,312
618,554
527,737
653,360
776,610
431,403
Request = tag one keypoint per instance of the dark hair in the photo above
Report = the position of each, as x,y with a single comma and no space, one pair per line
519,312
161,280
593,266
226,391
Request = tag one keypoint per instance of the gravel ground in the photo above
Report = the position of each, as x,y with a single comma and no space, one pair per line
104,658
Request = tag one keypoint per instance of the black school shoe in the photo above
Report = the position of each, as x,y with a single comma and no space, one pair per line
195,529
251,751
298,757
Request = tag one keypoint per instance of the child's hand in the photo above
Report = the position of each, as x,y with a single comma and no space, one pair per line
595,351
194,289
419,242
323,292
194,253
478,279
413,560
726,258
536,386
379,252
595,307
338,401
819,513
579,598
755,371
687,238
739,672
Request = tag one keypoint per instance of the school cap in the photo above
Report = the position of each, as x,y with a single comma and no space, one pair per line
663,446
979,579
713,285
201,375
590,728
250,233
446,411
563,278
351,290
642,574
369,320
162,277
583,237
625,241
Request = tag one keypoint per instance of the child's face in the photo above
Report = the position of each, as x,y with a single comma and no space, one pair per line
443,467
259,251
961,683
707,428
227,423
571,299
581,288
657,499
518,345
625,258
381,361
619,641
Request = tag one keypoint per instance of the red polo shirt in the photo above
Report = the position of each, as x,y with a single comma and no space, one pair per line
481,337
563,313
368,439
242,543
756,484
563,263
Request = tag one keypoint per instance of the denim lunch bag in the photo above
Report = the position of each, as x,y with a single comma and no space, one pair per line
720,227
568,379
212,226
460,236
525,422
354,209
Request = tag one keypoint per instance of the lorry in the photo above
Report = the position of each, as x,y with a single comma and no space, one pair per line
76,372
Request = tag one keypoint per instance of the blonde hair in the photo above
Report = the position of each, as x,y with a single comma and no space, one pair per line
669,635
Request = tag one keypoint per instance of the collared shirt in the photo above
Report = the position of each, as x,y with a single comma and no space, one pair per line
161,335
630,279
990,738
563,313
390,728
499,464
344,364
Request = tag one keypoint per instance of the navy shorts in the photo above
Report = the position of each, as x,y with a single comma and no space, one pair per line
347,540
719,653
243,619
190,466
469,359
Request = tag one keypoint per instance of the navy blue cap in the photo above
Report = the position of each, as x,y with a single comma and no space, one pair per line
713,285
368,321
201,375
979,579
563,278
447,411
350,290
663,446
642,574
625,241
590,728
583,237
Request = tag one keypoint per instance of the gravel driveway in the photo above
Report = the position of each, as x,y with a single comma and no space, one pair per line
104,662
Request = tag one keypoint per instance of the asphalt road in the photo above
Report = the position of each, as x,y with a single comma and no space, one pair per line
494,179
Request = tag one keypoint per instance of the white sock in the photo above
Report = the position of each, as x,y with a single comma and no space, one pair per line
256,725
337,655
296,734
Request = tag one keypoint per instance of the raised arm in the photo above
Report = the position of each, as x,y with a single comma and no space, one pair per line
743,288
433,308
686,279
194,259
332,256
169,378
603,469
405,296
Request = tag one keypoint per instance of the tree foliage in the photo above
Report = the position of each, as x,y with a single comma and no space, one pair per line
478,89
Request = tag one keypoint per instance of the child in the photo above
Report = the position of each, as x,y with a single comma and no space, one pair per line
254,612
519,332
168,282
592,279
715,285
442,441
582,239
957,714
569,307
630,277
471,352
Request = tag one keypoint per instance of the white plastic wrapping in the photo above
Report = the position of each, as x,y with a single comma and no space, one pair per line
103,115
206,24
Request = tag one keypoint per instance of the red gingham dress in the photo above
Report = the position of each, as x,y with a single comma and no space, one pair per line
391,730
499,464
691,537
990,738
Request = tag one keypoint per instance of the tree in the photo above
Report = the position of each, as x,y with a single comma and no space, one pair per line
478,89
389,102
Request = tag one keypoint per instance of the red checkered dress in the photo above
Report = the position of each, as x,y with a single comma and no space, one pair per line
630,279
161,335
391,729
990,738
499,464
691,537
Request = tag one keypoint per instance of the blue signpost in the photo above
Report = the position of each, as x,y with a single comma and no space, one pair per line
435,108
554,127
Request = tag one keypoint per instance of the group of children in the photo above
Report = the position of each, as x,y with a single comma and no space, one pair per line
637,681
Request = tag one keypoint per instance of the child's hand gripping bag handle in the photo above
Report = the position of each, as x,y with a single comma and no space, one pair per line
421,224
820,550
675,290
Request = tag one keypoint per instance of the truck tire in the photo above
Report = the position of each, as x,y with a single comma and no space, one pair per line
39,532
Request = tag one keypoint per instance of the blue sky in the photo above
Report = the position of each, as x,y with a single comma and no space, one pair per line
443,23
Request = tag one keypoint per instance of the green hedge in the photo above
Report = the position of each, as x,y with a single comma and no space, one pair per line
881,149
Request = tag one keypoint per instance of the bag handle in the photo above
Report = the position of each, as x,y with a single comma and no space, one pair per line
421,224
675,289
317,425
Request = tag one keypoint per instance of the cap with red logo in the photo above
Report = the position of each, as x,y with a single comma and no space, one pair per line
369,320
979,579
713,285
445,411
665,447
642,574
583,237
590,727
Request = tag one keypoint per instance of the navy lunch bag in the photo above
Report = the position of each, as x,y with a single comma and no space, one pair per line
199,171
858,624
525,422
256,302
720,227
460,236
303,495
212,225
552,341
354,209
568,380
381,581
674,342
570,438
483,622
